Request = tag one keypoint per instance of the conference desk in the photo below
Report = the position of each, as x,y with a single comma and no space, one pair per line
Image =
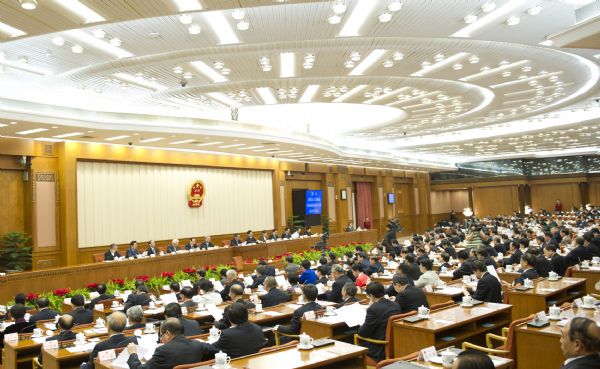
499,362
327,326
77,276
544,294
591,275
449,327
540,347
338,355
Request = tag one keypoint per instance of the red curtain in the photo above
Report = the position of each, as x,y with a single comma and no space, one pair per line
364,210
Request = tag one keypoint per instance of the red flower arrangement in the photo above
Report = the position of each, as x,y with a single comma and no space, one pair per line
142,278
32,296
248,261
118,281
167,274
278,257
189,270
91,286
211,267
61,292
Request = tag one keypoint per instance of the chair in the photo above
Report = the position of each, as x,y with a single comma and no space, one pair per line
408,357
277,334
99,257
389,336
194,365
35,363
238,262
441,305
225,243
569,271
508,349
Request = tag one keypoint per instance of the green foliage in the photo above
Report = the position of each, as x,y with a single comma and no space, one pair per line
180,275
15,251
294,221
155,283
325,223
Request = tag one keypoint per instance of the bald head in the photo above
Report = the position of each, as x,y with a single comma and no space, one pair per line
65,322
580,337
117,321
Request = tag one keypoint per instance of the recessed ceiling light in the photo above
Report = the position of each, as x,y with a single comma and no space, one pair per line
488,7
369,61
151,140
207,71
288,64
28,4
186,19
238,14
457,66
339,7
398,56
547,43
194,29
349,64
108,47
58,41
68,135
115,41
11,31
77,49
488,19
388,63
80,10
474,59
30,131
334,19
471,18
187,5
394,5
99,33
513,21
243,25
385,17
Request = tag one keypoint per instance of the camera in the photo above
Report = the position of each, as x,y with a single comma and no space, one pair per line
183,83
129,143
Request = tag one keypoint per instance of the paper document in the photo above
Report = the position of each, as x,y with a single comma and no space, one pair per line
214,311
353,315
168,298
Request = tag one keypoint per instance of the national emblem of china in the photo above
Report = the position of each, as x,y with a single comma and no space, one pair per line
196,194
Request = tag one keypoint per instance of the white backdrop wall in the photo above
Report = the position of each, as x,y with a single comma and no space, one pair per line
122,202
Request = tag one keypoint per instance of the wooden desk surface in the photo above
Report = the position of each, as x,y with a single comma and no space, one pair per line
544,294
548,338
352,357
591,275
546,287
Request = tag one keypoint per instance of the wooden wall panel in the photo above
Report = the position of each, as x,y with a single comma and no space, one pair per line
594,193
12,216
543,196
495,200
443,202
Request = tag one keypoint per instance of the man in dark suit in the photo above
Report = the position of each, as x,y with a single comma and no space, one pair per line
191,245
135,317
408,297
176,349
140,297
264,237
335,294
187,295
206,244
101,289
466,266
236,294
250,238
377,318
349,292
287,234
65,323
515,254
488,288
190,327
274,236
243,338
116,338
483,255
44,312
260,277
269,269
17,312
542,265
173,246
80,314
151,250
112,252
579,253
235,241
591,243
528,269
558,262
580,344
132,251
274,296
414,270
309,291
232,280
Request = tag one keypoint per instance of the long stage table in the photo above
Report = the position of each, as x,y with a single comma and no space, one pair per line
77,276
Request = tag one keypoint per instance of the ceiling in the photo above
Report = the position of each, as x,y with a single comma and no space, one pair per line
417,88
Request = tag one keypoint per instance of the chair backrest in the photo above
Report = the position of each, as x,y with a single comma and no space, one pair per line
98,257
569,271
275,348
108,303
512,335
384,363
441,305
225,243
389,332
505,294
238,262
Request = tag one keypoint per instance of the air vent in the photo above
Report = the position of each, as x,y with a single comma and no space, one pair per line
88,137
48,150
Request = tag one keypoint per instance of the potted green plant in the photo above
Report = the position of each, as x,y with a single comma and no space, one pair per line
15,252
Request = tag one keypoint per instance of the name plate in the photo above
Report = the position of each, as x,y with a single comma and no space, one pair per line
107,355
309,315
427,353
11,337
50,345
99,307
